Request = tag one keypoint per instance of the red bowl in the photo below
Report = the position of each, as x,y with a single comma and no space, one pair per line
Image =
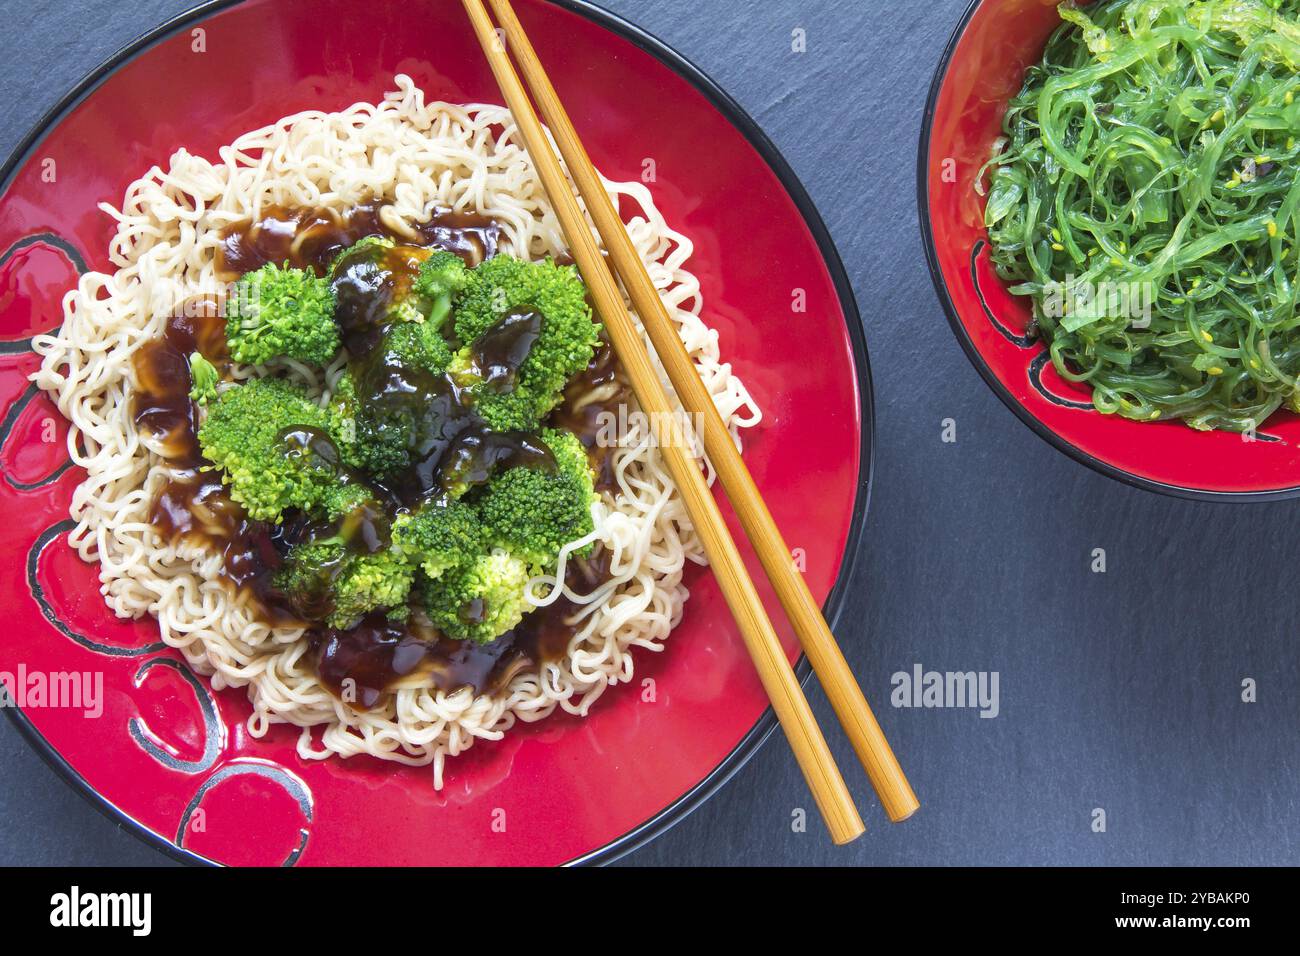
982,68
166,746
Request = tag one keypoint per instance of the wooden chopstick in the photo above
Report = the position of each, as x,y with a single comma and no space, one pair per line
811,752
828,661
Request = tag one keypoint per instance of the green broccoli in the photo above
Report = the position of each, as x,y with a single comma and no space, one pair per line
478,600
565,344
308,575
442,276
417,345
534,512
373,446
418,285
345,497
378,242
342,411
381,435
370,582
287,312
273,446
204,378
326,581
371,282
439,536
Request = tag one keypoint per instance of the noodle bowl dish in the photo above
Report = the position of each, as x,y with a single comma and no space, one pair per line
344,491
390,424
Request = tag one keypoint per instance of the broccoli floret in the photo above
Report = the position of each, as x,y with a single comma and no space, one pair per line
325,581
378,448
345,497
371,446
378,435
570,457
342,411
442,276
371,284
417,345
249,434
534,512
417,286
370,582
287,312
440,536
564,346
382,242
479,600
376,439
203,377
307,577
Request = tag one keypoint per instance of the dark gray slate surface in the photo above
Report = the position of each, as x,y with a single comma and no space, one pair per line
1119,690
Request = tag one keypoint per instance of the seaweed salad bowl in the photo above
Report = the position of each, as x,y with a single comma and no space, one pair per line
975,99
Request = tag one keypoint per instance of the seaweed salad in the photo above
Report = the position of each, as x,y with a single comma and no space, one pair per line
1145,196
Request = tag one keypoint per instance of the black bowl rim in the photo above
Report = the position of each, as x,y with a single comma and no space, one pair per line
675,812
973,353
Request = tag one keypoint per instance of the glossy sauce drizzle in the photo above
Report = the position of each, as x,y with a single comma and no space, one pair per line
313,238
193,505
597,395
379,652
448,444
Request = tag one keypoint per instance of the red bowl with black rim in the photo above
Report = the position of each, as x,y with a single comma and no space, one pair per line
166,745
982,68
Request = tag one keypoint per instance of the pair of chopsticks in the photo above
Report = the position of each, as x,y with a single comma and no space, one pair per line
813,755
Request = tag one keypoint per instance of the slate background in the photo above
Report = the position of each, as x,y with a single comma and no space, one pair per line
1119,690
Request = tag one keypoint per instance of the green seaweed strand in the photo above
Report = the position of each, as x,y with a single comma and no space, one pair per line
1145,197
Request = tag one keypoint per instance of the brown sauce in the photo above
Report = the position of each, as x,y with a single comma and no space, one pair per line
378,652
313,238
600,392
372,656
192,505
451,445
447,443
500,351
161,404
472,237
366,282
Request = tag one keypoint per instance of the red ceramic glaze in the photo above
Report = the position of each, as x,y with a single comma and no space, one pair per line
171,758
981,70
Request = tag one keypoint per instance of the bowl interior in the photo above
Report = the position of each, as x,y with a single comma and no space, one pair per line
168,753
983,68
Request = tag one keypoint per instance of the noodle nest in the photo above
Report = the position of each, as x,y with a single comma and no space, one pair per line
420,158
